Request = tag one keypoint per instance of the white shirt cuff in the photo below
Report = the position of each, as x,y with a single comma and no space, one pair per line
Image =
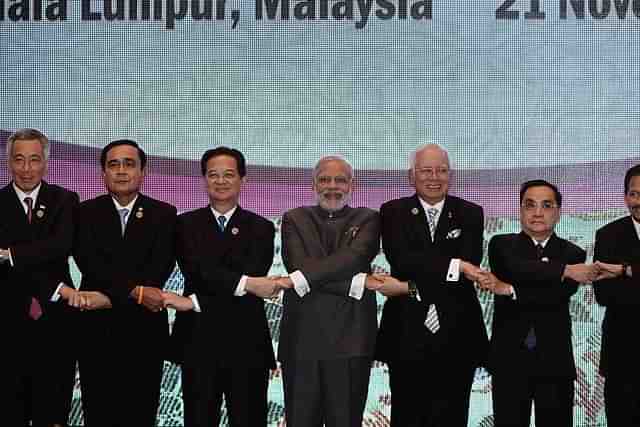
241,289
453,275
357,286
10,257
56,294
196,304
514,296
300,284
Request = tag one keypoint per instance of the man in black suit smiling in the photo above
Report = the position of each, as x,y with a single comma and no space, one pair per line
433,338
36,233
221,336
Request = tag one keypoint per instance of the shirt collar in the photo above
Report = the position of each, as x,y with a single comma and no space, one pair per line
426,206
227,214
636,225
119,207
33,194
542,243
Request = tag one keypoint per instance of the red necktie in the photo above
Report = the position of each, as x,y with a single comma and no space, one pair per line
35,311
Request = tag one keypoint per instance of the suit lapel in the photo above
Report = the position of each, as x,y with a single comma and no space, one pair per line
418,219
526,246
632,241
444,221
41,208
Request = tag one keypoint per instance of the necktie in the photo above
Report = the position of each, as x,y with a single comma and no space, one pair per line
35,310
432,323
530,340
431,219
123,218
222,221
29,202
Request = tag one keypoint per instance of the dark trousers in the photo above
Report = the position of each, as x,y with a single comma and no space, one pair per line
120,378
244,389
513,394
50,375
622,401
425,395
333,392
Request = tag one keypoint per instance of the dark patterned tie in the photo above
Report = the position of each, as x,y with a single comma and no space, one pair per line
29,202
530,341
35,310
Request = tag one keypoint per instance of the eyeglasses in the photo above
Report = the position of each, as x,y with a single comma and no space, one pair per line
530,205
432,172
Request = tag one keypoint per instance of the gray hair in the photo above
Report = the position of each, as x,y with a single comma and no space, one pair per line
424,147
28,134
332,158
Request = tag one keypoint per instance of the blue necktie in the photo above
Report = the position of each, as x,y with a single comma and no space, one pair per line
123,218
222,221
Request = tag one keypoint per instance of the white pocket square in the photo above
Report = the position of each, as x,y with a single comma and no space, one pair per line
454,234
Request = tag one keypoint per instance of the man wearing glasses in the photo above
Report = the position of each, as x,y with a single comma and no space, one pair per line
536,272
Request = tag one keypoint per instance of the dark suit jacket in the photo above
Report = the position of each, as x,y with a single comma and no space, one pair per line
114,264
617,242
230,329
327,323
462,338
542,303
40,250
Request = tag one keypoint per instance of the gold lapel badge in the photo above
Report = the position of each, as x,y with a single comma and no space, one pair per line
140,212
40,211
415,211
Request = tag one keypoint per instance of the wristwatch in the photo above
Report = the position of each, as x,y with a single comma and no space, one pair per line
625,269
413,289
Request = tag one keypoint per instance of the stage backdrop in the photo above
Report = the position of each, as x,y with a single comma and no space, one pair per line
514,90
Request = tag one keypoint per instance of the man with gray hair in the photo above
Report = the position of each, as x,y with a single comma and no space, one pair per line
328,326
432,337
36,233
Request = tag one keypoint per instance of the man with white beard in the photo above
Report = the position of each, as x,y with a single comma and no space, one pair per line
328,328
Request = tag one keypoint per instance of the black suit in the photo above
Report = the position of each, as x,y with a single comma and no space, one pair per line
40,251
617,243
226,348
122,348
442,365
545,373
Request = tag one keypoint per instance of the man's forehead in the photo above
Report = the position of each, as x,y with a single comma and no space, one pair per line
334,167
31,147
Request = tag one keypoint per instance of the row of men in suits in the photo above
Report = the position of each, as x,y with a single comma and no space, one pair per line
432,334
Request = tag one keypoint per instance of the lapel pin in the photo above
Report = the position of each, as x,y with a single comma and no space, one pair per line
414,211
140,213
40,212
450,215
235,231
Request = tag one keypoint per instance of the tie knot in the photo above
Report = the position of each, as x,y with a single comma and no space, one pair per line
222,221
539,249
432,212
123,213
28,201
